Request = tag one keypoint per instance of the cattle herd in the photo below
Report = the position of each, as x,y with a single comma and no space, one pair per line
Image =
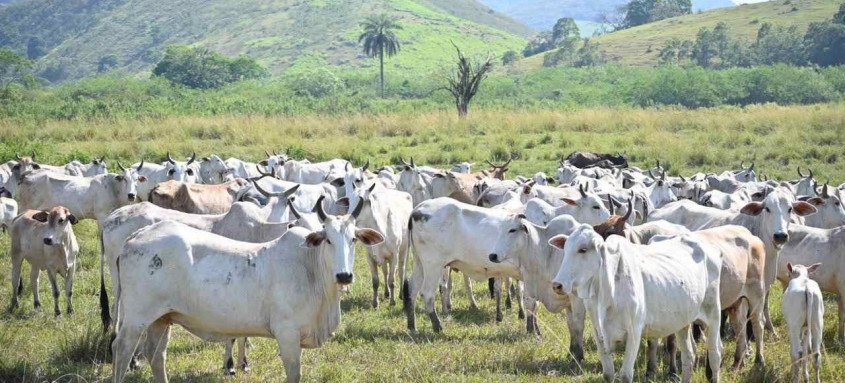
230,249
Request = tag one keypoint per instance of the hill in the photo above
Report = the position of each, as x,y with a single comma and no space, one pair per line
542,14
640,45
70,37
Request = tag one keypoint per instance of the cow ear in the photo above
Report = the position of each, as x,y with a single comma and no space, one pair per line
142,178
803,209
36,166
119,177
752,208
569,201
369,237
789,267
558,241
816,201
41,216
263,163
338,182
72,219
813,268
314,239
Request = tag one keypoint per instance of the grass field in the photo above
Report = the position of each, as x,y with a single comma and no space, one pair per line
373,345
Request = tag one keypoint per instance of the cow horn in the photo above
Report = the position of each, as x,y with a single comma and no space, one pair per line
346,166
119,166
825,194
284,194
141,165
650,174
263,173
402,160
267,153
193,157
663,176
372,187
682,178
581,190
33,155
742,165
102,159
751,167
170,159
506,163
630,209
293,209
490,163
17,156
358,209
366,166
658,164
808,169
800,174
274,152
319,209
610,202
412,163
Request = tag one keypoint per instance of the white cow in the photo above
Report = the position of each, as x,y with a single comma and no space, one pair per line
96,167
587,207
287,289
308,173
87,197
625,288
8,212
803,311
830,212
463,167
170,170
45,239
213,170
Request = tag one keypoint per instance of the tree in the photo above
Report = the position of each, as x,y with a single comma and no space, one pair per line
639,12
465,80
379,38
203,68
35,48
106,63
825,42
509,57
676,52
13,68
564,30
778,45
589,55
839,17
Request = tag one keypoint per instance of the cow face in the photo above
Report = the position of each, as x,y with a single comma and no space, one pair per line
97,167
353,184
24,166
463,167
180,171
273,161
660,193
590,208
214,170
413,182
126,184
775,213
58,220
801,271
745,174
513,239
339,235
830,212
566,173
583,258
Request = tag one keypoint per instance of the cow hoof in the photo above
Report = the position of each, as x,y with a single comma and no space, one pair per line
229,372
392,302
375,304
499,317
69,311
508,304
244,366
521,314
58,313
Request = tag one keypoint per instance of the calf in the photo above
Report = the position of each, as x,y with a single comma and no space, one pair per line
197,198
45,239
803,311
625,288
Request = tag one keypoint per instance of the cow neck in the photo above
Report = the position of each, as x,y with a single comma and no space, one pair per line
318,265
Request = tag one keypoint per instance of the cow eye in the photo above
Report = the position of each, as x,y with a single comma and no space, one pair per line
790,210
171,171
119,178
767,210
354,239
61,220
512,231
16,167
596,207
328,241
582,250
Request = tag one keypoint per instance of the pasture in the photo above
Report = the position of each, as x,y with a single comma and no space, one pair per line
373,344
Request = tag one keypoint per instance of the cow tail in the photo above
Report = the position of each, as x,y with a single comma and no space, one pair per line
105,313
645,211
405,294
807,299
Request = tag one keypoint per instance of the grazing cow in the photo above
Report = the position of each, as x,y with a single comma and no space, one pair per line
809,245
287,289
466,248
830,212
8,212
723,183
198,198
213,170
87,197
587,159
640,234
458,186
803,311
97,166
307,173
525,245
45,239
243,222
625,288
587,208
169,170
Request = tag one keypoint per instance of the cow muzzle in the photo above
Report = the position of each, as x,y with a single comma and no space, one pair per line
48,241
780,238
494,258
344,278
558,288
131,197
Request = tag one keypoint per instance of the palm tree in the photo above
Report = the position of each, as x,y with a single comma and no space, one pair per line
378,39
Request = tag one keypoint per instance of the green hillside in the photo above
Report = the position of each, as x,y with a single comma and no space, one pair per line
75,34
640,45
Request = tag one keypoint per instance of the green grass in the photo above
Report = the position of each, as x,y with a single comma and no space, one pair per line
640,45
373,345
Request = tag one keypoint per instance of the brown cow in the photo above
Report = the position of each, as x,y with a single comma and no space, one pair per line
197,198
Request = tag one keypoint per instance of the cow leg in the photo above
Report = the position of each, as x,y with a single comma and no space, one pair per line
498,290
468,284
506,283
769,325
403,259
714,343
840,330
410,290
446,291
243,363
805,363
651,358
123,348
428,291
671,356
605,353
34,275
291,353
155,349
17,282
54,287
374,273
796,350
756,319
228,361
632,347
739,317
520,299
575,319
69,289
816,351
389,270
687,353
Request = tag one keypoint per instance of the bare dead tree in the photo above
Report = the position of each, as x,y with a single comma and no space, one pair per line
466,78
